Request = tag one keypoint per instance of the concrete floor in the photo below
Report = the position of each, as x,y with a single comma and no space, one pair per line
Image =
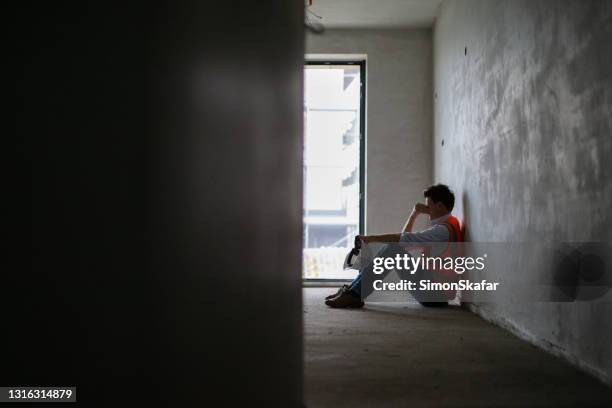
404,355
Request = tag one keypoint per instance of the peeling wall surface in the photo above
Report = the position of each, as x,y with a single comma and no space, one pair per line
523,134
398,119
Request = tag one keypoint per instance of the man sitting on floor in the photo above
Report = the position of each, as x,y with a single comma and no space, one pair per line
444,227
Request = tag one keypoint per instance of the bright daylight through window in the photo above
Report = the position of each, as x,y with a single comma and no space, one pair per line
332,178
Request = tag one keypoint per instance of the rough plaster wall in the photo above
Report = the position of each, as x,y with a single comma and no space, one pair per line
523,133
399,117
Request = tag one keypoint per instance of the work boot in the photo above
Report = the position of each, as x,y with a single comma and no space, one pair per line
346,299
338,292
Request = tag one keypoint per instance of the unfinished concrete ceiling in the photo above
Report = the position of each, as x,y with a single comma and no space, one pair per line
375,14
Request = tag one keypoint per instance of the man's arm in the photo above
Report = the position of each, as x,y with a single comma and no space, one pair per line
366,239
418,209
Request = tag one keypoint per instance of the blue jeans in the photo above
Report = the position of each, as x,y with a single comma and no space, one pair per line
385,251
355,286
390,250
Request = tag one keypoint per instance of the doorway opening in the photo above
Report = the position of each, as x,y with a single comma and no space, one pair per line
334,165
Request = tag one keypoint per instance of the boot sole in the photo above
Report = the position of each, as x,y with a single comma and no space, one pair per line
358,306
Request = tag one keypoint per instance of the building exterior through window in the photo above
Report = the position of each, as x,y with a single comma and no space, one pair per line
332,167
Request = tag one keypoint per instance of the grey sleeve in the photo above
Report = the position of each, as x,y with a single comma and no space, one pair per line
436,233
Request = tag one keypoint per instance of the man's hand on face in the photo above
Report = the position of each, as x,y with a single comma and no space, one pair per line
420,208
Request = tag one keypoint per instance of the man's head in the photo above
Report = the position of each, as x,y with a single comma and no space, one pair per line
440,200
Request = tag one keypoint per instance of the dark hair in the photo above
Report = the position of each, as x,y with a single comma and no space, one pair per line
441,193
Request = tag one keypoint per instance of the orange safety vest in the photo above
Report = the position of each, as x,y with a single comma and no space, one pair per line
455,230
455,234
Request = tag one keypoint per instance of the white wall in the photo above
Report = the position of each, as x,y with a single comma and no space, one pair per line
522,132
399,116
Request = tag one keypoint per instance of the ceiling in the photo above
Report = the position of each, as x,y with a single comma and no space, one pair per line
374,13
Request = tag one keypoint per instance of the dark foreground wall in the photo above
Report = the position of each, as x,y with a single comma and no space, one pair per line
164,146
523,132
